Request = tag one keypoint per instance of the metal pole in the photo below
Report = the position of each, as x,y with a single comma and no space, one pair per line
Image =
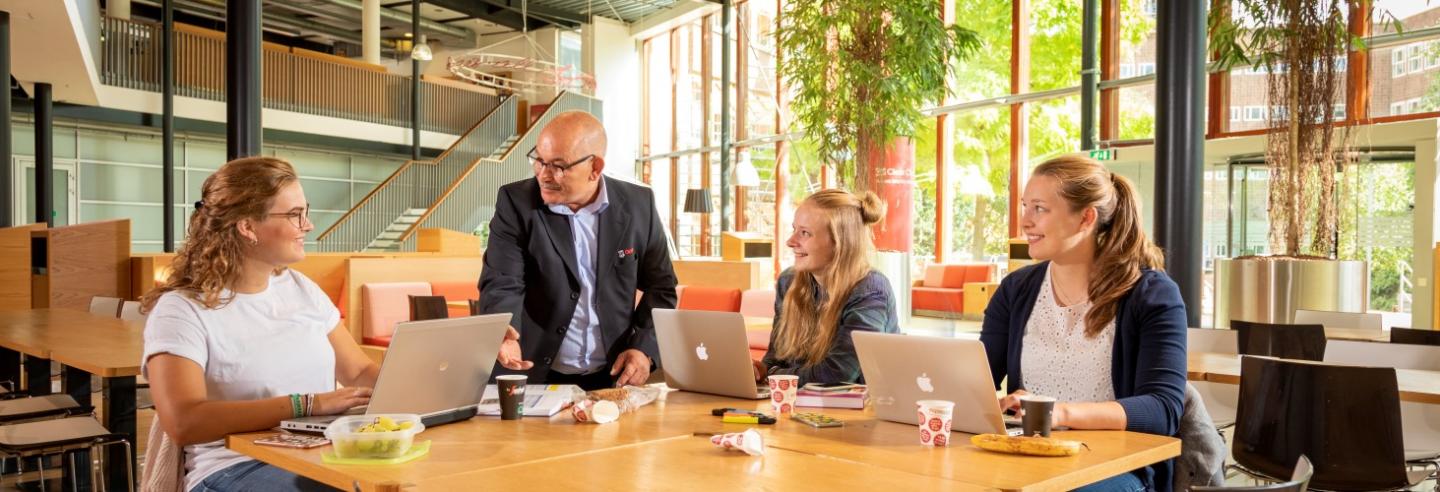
242,79
7,212
44,156
1179,145
414,82
1089,73
726,18
167,119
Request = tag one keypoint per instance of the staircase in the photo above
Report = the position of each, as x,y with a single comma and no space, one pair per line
389,239
455,191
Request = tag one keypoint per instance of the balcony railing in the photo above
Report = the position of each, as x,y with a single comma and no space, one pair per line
295,79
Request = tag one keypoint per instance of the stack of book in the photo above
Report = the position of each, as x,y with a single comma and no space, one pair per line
850,396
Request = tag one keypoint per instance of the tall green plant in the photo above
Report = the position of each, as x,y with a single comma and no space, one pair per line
863,69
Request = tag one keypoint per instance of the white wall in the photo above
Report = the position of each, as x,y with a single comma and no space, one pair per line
610,54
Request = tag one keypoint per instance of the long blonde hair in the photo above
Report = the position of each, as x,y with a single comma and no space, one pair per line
1121,247
214,251
807,327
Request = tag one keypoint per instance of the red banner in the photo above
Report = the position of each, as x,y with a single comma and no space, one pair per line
893,179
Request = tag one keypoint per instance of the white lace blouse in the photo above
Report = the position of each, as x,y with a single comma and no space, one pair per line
1056,358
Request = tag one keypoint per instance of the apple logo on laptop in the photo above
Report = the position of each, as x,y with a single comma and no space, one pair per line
701,352
923,381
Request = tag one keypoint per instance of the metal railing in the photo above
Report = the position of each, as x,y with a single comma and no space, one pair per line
295,79
470,200
417,184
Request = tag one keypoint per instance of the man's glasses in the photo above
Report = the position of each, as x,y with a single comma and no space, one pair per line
555,168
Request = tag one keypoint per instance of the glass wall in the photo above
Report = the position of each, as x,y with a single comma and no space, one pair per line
115,173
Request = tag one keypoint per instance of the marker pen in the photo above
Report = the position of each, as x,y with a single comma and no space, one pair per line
741,418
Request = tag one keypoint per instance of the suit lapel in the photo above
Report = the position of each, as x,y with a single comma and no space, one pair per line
612,228
561,238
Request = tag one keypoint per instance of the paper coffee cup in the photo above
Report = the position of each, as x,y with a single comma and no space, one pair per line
935,418
782,392
512,396
1038,415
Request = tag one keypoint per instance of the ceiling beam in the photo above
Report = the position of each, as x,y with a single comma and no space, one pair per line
539,16
425,24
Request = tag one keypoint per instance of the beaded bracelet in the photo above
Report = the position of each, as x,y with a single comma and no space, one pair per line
295,406
309,404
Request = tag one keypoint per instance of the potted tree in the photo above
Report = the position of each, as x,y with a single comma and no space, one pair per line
862,70
1300,44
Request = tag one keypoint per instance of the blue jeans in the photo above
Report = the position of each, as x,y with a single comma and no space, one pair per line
1125,482
256,475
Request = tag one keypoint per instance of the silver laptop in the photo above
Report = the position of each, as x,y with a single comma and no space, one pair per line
436,369
706,352
901,370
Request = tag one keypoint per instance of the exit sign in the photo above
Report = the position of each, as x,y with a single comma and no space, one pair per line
1103,154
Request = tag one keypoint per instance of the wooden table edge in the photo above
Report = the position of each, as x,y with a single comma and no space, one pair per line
313,471
1107,469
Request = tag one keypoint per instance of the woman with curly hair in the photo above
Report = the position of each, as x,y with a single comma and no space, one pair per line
237,342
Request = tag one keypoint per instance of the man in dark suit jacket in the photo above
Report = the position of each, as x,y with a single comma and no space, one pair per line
567,252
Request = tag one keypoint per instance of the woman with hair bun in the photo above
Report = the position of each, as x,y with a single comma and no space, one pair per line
830,292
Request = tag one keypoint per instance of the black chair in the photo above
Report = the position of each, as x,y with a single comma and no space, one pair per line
475,307
1345,419
1302,342
1299,481
428,307
1414,337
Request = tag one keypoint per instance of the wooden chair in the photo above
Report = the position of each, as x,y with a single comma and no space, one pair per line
1303,342
1414,337
428,307
1345,419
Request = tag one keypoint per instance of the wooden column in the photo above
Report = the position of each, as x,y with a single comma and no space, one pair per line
1357,66
1109,69
1218,88
1019,84
675,191
742,96
944,158
782,149
645,95
706,52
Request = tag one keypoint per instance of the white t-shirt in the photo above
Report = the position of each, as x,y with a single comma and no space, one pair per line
273,343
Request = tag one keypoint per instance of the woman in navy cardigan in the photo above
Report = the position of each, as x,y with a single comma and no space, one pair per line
1097,324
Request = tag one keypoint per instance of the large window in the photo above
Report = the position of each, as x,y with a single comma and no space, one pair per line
115,173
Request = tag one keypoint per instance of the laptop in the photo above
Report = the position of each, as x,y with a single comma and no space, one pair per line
902,369
706,352
436,369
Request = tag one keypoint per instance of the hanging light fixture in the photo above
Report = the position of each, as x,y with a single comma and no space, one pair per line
421,50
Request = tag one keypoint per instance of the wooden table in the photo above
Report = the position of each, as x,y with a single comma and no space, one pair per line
85,344
663,445
1415,385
